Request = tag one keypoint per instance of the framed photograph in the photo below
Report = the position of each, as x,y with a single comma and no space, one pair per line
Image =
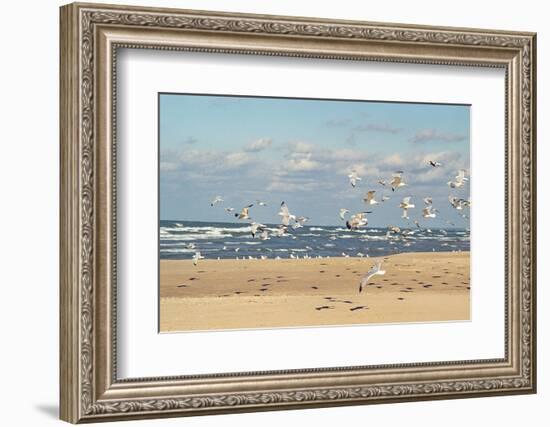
267,212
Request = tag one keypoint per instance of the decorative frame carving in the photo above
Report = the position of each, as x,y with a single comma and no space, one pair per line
90,36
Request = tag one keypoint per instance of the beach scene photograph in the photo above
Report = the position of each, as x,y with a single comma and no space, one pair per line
290,212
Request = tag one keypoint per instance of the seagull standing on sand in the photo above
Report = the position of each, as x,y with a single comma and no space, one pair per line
406,205
353,178
285,214
343,212
196,258
217,199
375,270
244,213
397,180
369,198
460,179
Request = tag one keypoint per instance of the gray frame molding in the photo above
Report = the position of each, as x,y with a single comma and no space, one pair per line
90,37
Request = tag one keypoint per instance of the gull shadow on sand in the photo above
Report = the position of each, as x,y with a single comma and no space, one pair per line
324,307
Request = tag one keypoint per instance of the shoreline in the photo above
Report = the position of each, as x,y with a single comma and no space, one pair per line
250,294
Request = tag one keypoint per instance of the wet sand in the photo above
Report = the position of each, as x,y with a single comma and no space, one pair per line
233,294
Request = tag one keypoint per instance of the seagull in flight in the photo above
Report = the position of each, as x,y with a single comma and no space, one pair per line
458,204
260,203
196,258
394,229
285,214
369,198
244,213
435,164
217,199
353,178
459,181
382,182
428,200
397,180
229,209
254,227
343,212
375,270
281,231
406,205
357,220
300,221
429,212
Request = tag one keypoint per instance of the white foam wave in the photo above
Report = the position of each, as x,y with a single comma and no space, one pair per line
207,229
195,236
177,251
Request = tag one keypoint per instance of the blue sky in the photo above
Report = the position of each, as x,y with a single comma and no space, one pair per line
301,151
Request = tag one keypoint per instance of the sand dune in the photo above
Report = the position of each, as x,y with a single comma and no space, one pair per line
232,294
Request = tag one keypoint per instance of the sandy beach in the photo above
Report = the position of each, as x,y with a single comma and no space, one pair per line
233,294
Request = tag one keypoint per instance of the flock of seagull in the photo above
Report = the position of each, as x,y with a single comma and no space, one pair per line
397,181
357,220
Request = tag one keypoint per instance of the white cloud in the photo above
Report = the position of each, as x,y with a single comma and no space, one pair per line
207,162
168,166
345,155
299,162
393,161
258,145
235,160
430,135
300,147
378,127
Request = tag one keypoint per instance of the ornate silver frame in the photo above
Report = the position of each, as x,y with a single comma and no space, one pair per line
90,36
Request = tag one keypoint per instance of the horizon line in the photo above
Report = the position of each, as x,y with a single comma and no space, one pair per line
307,225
